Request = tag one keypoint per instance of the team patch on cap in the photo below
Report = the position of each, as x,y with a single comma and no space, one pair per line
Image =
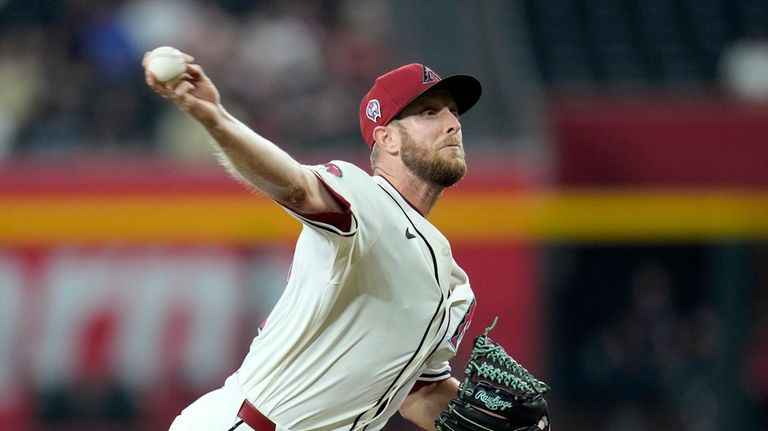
428,75
373,110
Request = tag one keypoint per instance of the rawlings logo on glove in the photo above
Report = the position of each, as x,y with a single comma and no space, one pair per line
497,394
493,403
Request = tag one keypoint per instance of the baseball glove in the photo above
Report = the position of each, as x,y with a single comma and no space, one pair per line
497,394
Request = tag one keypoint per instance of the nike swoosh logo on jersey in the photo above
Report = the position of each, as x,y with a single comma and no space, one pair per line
408,233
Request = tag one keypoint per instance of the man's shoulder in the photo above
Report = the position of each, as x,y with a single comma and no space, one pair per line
342,169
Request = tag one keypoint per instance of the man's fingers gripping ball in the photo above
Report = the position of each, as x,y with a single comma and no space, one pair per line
182,96
168,72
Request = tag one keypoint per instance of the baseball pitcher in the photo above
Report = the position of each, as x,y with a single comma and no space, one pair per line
375,305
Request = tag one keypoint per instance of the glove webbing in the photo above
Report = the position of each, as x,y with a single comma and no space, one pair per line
490,361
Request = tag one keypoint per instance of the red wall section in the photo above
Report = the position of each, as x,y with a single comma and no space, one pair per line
506,281
679,140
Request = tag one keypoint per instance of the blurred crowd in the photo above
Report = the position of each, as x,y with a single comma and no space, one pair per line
71,81
657,354
668,347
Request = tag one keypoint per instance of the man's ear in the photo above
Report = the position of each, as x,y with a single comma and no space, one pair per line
386,139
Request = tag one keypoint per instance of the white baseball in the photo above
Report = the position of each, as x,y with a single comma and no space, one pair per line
166,63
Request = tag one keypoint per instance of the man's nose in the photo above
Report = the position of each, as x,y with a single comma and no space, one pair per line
452,123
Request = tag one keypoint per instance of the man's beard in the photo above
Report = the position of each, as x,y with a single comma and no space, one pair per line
431,167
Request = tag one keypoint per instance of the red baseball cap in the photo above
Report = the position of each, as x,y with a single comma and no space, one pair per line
394,90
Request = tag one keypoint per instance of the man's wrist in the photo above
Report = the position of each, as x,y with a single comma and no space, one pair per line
218,125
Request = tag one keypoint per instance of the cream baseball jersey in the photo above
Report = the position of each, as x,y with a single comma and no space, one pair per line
368,310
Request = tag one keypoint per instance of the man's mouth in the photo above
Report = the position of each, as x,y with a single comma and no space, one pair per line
452,143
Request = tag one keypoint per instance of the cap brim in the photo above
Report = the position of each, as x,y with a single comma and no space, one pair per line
465,90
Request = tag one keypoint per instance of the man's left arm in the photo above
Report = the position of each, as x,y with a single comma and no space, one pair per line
424,405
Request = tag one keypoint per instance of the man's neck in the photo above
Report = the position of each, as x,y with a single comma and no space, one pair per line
420,194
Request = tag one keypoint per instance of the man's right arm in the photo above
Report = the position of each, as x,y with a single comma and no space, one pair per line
252,157
261,163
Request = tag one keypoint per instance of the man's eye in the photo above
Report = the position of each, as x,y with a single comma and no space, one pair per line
429,112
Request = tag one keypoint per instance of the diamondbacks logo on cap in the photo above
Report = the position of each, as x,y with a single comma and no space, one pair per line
428,75
373,110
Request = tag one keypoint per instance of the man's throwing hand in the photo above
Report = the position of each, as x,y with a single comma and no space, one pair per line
193,91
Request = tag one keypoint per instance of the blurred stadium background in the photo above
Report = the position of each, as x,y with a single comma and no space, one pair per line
615,213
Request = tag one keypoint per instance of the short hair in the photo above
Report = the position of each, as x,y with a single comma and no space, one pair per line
374,155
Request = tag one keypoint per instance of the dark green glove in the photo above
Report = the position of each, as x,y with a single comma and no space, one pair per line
497,394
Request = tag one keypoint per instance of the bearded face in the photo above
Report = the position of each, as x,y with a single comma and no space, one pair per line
443,168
